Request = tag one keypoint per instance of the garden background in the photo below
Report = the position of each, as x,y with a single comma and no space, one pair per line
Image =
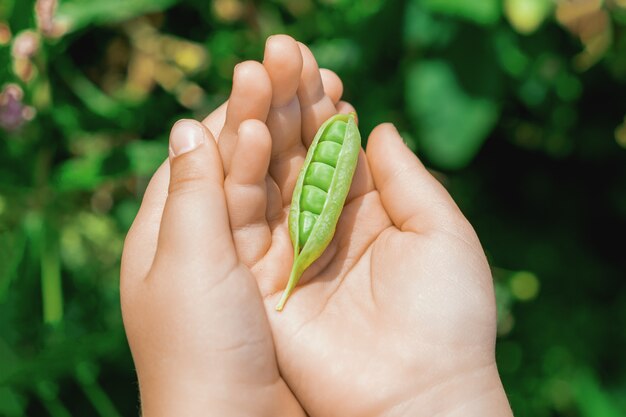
517,105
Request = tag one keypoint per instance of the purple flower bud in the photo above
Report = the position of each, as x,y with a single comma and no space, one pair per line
13,113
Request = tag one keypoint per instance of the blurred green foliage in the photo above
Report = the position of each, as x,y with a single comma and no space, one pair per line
519,104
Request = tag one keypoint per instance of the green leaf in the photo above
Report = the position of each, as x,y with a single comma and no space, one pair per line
338,54
88,171
484,12
80,13
51,283
591,397
80,173
90,94
453,124
424,29
12,250
87,376
146,156
11,403
6,7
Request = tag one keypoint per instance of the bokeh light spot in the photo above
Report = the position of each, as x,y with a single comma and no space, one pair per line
524,285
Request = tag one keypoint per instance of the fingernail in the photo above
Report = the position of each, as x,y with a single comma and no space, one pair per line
186,136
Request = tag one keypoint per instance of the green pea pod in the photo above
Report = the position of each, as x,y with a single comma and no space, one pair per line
320,193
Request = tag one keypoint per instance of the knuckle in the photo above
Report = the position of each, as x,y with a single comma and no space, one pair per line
187,178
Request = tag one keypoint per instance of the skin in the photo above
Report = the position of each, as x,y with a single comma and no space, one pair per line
396,318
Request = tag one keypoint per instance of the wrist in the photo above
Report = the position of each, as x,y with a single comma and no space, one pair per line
476,394
233,400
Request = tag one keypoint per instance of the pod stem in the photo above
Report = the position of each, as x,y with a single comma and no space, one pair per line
294,277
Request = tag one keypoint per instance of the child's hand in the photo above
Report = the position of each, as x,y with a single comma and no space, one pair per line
192,310
194,317
398,316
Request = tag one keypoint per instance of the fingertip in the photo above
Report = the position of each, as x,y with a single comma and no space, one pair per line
251,74
244,68
333,86
193,154
186,135
250,98
279,43
283,62
303,48
316,107
382,132
255,132
252,154
385,128
387,153
344,107
311,89
412,197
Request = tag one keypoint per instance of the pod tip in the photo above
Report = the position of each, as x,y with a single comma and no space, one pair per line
283,300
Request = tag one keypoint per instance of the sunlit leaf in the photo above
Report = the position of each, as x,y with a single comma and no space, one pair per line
527,15
452,124
338,54
485,12
90,94
12,404
51,284
80,173
76,14
6,7
145,157
425,29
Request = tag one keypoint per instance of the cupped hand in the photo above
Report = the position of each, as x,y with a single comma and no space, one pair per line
192,310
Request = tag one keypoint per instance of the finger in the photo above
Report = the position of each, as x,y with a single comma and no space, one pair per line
344,107
283,63
250,99
333,86
412,197
195,233
141,240
143,234
215,121
275,211
315,106
246,193
362,181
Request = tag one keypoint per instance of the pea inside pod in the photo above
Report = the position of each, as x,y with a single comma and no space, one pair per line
320,193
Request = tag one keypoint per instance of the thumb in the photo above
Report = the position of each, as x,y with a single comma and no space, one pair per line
194,227
412,197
